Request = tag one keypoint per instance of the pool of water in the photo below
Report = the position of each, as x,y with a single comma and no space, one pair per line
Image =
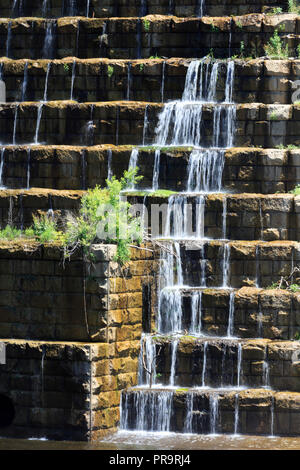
124,440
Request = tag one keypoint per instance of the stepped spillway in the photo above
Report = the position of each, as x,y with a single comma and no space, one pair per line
186,94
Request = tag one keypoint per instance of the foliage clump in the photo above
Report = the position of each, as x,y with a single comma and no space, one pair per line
275,48
104,216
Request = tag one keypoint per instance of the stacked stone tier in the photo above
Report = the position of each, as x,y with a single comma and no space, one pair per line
133,38
256,80
119,8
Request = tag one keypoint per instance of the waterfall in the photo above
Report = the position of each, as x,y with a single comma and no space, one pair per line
214,412
28,168
45,97
236,414
15,124
174,347
226,264
73,79
224,217
88,8
204,363
143,8
162,89
128,80
266,370
200,8
48,49
109,165
261,221
83,169
102,38
25,82
8,40
169,318
150,411
146,123
156,170
133,164
229,82
2,167
148,357
203,262
257,266
205,170
231,315
45,8
38,123
272,417
15,9
196,314
188,422
239,364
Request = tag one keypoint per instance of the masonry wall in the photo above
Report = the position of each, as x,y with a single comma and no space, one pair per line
65,373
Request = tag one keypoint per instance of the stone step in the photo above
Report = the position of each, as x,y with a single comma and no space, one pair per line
251,312
109,8
246,170
155,80
19,206
234,264
132,38
123,122
226,362
260,412
222,216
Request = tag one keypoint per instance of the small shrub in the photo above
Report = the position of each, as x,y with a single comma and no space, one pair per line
146,25
274,116
10,233
275,48
296,190
44,229
293,7
297,336
275,11
66,68
110,71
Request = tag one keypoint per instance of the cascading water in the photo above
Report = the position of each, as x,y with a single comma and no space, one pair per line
25,82
181,123
48,49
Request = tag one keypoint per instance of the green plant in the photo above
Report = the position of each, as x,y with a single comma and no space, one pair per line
105,217
215,29
146,25
66,67
298,51
110,71
297,336
293,7
44,229
274,116
211,53
275,11
154,57
239,24
141,67
294,287
10,233
296,190
275,48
